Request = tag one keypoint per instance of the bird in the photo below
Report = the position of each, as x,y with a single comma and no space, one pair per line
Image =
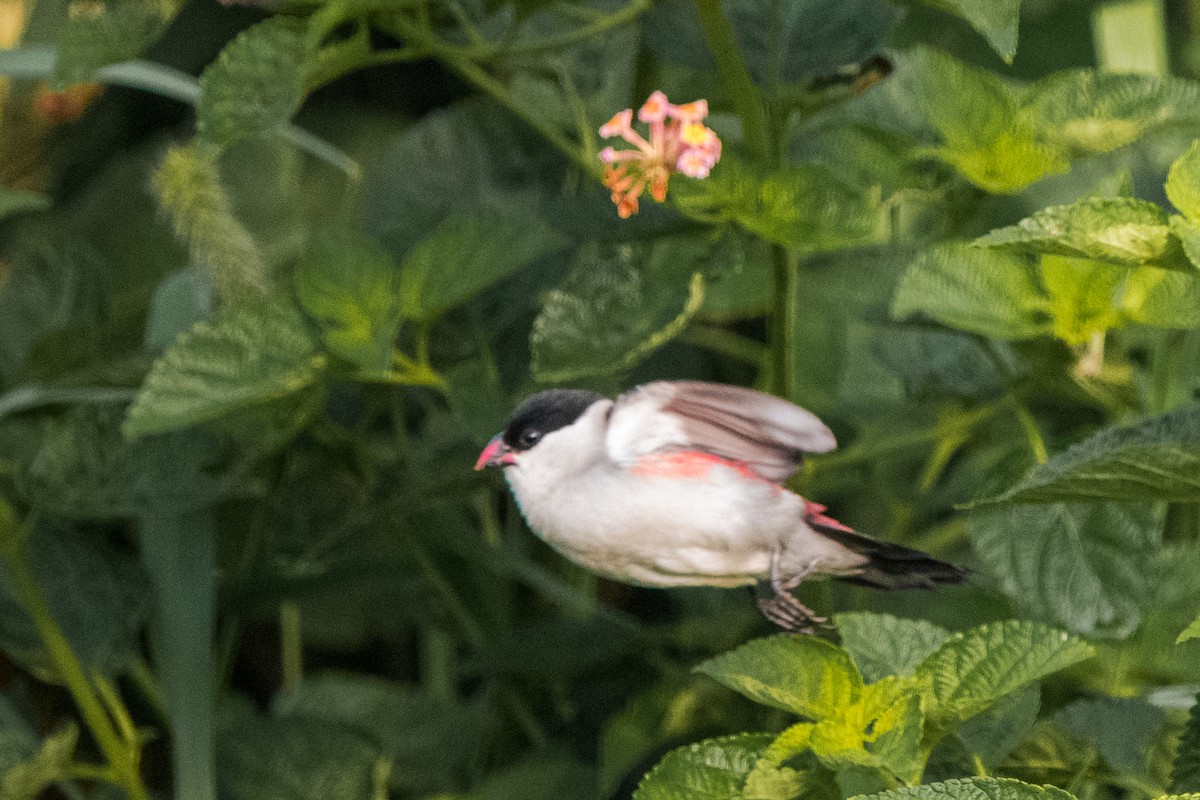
682,483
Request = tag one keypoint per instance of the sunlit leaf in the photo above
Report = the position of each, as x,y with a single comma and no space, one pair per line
466,254
248,355
1117,230
714,769
880,730
1157,458
974,789
1089,568
801,674
983,291
971,670
885,645
1183,183
256,83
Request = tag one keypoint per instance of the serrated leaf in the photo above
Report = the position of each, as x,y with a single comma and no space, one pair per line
983,291
430,740
617,305
1084,296
1091,111
995,19
1185,774
1116,230
1123,729
17,201
256,83
349,284
1089,568
103,34
714,769
250,354
1183,183
973,789
801,674
300,759
881,730
884,645
466,254
972,670
1006,163
1157,458
97,594
992,735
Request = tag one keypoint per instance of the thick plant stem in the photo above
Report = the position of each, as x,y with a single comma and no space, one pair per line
735,75
122,757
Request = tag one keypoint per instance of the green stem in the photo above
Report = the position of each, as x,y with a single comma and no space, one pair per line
291,644
621,16
727,343
123,758
1037,445
784,317
735,75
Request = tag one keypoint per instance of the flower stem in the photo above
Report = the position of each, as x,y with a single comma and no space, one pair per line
735,75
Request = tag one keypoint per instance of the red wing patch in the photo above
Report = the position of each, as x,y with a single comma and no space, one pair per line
814,515
689,464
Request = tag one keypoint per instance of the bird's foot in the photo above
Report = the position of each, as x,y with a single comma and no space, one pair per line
785,611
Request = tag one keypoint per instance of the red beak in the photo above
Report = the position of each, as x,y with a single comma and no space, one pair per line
496,454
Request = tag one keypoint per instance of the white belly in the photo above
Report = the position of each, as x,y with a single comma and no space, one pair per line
719,530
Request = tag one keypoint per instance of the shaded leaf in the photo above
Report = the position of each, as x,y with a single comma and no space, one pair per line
971,670
1089,568
618,304
983,291
973,789
1185,775
256,83
250,354
1123,729
884,645
1117,230
801,674
992,735
995,19
298,759
714,769
182,299
349,284
1157,458
103,34
466,254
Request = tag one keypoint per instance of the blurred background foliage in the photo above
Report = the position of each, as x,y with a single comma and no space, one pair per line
271,273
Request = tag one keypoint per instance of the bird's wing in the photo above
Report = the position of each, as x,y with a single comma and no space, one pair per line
767,434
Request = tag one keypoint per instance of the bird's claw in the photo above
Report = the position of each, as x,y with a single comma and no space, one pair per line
788,613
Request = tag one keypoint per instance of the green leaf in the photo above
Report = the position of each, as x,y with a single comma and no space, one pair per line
1085,295
1183,183
971,670
19,201
299,759
248,355
973,789
992,735
27,767
1188,234
983,291
881,730
1157,458
431,741
618,304
1185,775
97,594
1192,631
815,38
1123,729
255,85
117,30
714,769
1091,111
1116,230
995,19
182,299
884,645
349,284
1089,568
801,674
466,254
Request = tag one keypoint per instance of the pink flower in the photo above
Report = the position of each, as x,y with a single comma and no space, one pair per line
678,142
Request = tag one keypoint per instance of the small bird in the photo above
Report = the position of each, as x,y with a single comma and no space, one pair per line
680,483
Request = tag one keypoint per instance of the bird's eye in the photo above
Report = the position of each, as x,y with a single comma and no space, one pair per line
529,438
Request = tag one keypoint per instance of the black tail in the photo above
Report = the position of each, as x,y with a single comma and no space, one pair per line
893,566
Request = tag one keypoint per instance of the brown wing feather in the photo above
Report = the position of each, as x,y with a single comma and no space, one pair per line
768,434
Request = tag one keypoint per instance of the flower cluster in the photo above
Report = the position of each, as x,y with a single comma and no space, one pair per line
678,142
